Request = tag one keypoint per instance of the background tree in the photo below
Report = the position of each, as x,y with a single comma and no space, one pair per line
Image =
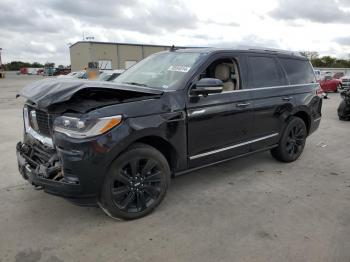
310,54
17,65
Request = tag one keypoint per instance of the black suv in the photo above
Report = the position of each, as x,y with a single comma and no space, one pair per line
117,144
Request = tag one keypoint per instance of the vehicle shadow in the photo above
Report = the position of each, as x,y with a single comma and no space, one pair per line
51,210
244,168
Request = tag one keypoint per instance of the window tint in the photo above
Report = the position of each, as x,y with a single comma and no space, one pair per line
265,72
298,71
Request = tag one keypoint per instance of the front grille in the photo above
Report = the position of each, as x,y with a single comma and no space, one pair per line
43,122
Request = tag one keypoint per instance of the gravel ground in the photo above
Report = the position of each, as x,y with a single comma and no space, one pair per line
249,209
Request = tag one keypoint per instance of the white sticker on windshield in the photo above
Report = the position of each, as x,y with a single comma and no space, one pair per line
179,68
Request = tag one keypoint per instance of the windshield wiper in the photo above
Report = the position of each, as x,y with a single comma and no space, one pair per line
135,84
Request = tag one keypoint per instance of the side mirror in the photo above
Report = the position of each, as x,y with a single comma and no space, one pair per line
207,86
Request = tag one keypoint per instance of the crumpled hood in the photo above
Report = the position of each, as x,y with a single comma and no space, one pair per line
51,91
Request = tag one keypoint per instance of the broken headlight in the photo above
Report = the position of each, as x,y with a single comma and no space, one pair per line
82,128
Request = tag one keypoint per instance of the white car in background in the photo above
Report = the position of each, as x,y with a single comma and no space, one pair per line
75,74
345,82
109,75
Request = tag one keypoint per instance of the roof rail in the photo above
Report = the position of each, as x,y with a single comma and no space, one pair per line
271,50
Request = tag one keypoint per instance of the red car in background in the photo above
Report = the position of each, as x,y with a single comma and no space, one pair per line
329,84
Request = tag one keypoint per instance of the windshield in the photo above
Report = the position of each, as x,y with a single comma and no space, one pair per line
160,70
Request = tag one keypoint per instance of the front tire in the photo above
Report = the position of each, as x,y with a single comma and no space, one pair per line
136,184
292,141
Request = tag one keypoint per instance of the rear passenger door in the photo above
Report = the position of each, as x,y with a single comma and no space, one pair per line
271,97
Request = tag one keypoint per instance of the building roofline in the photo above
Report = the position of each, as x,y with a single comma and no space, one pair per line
206,49
133,44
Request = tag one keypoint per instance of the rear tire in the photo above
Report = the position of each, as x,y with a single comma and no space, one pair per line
292,141
136,183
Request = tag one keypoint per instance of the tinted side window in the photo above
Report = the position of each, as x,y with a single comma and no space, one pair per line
298,71
265,72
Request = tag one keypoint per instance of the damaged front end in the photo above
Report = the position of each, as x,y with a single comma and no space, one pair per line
69,134
42,166
38,162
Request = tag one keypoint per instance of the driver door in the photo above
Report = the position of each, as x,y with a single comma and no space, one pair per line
219,125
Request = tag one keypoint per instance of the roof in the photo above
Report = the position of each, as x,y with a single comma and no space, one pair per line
261,50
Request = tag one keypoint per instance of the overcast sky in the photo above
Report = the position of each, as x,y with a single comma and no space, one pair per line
41,30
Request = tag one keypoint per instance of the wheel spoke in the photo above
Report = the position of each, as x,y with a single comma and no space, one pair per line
289,139
293,132
299,141
155,177
152,191
127,201
122,177
150,164
154,180
291,150
295,149
134,166
299,132
120,191
140,201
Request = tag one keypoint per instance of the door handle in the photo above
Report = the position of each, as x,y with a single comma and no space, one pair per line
242,105
287,98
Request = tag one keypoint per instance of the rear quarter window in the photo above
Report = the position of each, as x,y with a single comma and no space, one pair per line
265,72
298,71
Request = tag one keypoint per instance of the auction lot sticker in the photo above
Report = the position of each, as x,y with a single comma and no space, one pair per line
179,68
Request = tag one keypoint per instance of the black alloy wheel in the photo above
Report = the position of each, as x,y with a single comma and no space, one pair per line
296,140
292,141
136,184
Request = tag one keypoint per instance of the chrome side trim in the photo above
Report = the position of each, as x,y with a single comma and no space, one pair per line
317,119
29,130
263,88
233,146
198,112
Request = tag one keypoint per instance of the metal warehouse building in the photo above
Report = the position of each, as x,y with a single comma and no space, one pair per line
110,55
